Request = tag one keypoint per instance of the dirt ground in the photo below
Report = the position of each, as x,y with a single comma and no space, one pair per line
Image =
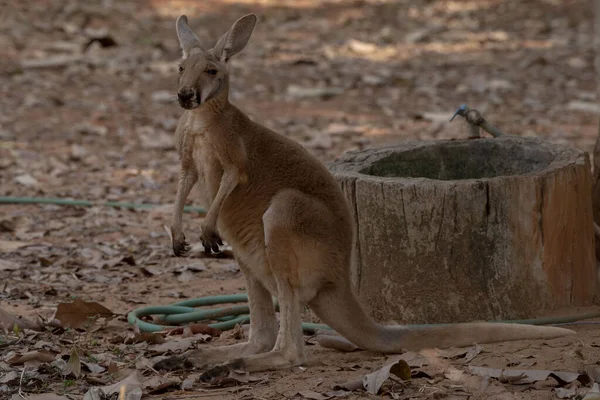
88,111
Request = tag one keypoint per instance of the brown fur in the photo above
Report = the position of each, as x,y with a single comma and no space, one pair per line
287,221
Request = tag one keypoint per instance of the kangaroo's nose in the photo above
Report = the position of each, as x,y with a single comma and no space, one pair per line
185,94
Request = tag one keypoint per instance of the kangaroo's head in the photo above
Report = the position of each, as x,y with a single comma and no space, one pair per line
203,73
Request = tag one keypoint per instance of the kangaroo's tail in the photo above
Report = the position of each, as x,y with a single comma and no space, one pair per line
339,308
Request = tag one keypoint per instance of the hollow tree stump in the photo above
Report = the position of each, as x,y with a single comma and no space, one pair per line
486,229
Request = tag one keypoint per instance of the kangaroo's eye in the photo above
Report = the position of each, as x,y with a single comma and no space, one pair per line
211,71
180,68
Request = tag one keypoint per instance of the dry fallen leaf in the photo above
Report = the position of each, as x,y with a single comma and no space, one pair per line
188,382
236,333
473,352
338,393
455,353
35,356
195,329
26,180
309,394
187,332
234,378
73,365
92,257
132,384
93,367
414,359
524,376
196,267
593,372
10,377
454,374
350,386
80,314
246,377
563,393
149,270
592,393
119,372
8,321
158,383
116,261
174,345
373,381
14,223
185,276
7,246
150,337
6,265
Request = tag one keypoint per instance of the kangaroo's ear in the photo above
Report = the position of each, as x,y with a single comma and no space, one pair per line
236,38
187,38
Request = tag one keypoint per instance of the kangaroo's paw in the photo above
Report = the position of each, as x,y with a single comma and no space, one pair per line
211,240
180,246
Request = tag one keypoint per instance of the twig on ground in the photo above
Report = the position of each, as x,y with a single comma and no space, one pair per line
21,382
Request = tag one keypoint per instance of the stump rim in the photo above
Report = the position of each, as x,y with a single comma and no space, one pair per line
349,166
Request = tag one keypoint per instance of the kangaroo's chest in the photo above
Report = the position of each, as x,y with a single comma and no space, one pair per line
209,168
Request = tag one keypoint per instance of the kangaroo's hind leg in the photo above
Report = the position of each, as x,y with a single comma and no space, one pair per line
263,332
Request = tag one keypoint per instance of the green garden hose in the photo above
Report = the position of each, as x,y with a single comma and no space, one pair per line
87,203
229,317
184,311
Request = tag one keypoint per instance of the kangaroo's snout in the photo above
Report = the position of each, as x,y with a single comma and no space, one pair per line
186,96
